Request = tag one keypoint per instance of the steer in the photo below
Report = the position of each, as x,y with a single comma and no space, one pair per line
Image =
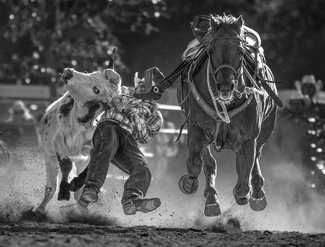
67,127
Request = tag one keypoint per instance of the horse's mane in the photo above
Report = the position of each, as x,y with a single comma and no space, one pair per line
227,22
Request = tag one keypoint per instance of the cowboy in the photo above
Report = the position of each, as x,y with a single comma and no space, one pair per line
127,120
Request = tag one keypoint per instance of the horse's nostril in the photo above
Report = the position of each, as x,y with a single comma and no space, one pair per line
67,75
232,86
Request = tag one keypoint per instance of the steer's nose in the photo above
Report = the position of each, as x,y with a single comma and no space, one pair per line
67,75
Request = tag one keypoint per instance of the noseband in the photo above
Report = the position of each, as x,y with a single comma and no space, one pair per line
237,72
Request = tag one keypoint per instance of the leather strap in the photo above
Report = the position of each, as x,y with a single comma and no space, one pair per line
211,112
157,90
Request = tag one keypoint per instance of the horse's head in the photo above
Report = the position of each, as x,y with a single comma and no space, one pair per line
225,53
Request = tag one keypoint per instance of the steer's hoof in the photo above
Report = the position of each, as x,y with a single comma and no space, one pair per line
64,192
212,210
31,215
258,204
187,185
76,184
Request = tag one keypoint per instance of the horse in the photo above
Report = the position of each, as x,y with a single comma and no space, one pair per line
230,102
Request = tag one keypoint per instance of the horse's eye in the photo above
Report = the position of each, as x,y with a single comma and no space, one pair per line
96,90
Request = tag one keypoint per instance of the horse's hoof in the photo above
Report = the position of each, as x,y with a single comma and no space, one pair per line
187,185
212,210
242,201
258,204
31,215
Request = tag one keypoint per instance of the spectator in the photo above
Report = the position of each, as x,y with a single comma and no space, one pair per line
296,121
310,87
20,128
293,150
164,149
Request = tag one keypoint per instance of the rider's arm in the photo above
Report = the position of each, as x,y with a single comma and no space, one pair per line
146,127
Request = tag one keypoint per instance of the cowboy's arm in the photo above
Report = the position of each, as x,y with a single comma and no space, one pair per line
146,128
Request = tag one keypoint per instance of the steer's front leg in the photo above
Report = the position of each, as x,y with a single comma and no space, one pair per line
66,167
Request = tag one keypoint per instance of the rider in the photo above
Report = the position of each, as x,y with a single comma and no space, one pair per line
127,121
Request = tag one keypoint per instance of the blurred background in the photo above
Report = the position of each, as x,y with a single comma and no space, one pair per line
40,38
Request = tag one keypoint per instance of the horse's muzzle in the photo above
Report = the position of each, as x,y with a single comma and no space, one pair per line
67,75
225,90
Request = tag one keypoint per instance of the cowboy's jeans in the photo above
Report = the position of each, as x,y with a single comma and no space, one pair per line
114,144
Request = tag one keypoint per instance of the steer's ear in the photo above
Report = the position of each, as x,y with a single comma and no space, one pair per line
112,76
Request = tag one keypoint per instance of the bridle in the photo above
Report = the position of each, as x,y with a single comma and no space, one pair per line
237,73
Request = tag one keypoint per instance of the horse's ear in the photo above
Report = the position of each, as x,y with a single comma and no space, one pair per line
298,85
214,25
240,19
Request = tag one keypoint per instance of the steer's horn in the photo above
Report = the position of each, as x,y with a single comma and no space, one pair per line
111,59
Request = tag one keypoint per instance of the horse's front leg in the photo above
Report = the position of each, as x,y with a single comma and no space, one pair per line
212,207
245,158
258,200
189,183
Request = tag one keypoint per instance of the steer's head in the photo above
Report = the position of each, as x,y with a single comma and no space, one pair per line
89,87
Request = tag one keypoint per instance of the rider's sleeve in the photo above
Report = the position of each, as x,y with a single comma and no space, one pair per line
146,128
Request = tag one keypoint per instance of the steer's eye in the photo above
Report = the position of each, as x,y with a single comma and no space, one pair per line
96,90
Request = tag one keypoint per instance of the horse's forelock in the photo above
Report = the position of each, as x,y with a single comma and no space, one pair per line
227,22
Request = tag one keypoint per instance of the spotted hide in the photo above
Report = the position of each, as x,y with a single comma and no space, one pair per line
67,127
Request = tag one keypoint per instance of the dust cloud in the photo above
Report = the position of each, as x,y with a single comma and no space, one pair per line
292,205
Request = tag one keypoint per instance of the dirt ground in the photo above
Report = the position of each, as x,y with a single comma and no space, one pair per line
79,234
286,221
